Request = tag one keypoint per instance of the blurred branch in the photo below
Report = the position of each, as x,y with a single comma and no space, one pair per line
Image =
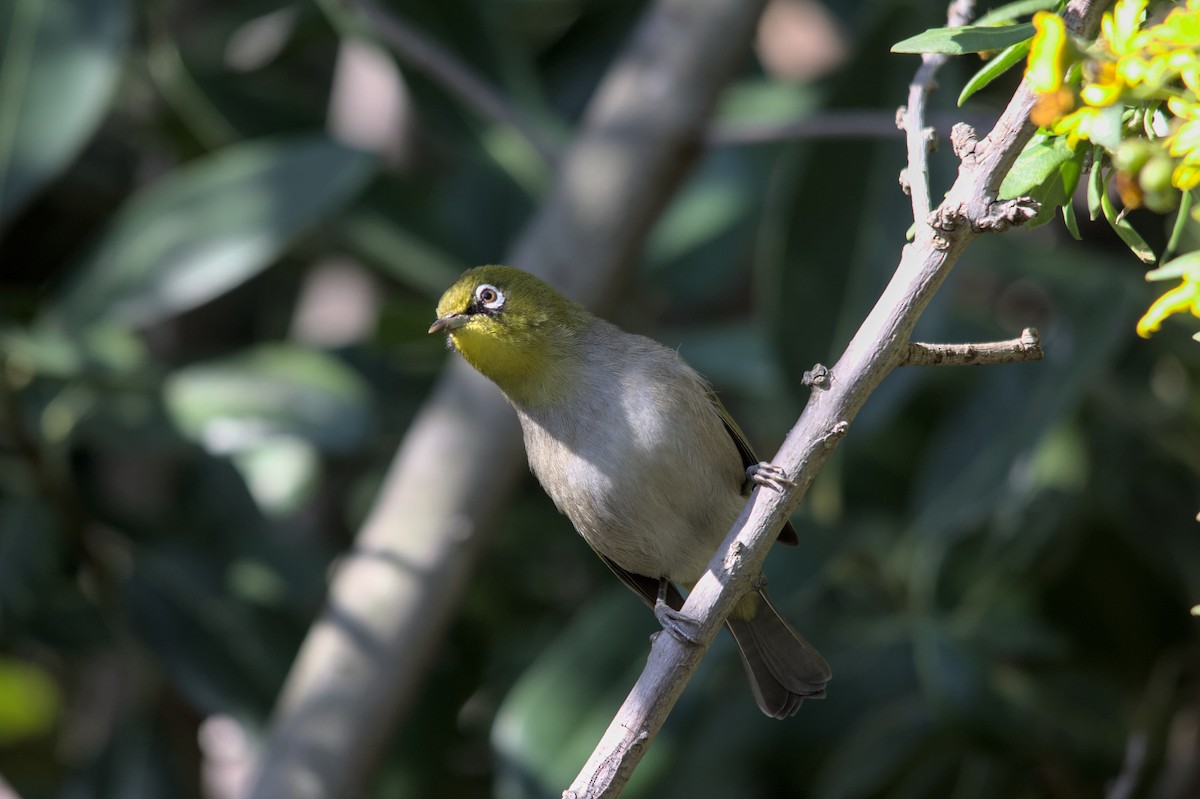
1026,348
918,138
392,596
833,124
880,344
421,53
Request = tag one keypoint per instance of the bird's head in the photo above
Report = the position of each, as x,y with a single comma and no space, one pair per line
512,327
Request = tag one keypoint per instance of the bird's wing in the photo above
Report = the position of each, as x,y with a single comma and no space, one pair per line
645,587
788,534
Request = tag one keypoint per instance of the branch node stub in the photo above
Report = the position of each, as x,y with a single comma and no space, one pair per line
733,559
901,113
965,143
945,219
834,433
818,377
1000,216
1030,338
905,186
930,137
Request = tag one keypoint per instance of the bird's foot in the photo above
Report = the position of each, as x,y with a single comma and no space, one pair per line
681,626
678,624
766,474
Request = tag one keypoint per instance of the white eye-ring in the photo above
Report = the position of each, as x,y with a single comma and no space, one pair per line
490,297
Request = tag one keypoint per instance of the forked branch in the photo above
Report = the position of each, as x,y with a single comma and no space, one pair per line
881,344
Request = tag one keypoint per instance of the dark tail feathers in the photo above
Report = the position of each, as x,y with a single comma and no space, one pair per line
784,669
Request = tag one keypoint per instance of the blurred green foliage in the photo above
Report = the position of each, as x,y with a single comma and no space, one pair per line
997,563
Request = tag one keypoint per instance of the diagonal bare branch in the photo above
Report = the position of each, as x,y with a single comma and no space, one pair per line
880,345
391,597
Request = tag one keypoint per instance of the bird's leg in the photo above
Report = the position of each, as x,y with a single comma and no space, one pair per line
766,474
685,628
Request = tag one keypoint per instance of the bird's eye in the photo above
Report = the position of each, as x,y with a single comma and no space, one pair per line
489,297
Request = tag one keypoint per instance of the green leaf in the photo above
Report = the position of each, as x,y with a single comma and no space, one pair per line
1121,226
1015,10
1183,219
1097,185
236,404
1068,215
1039,161
1048,170
965,39
208,227
50,351
1184,266
59,64
995,68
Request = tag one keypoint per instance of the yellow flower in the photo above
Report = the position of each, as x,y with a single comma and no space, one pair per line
1186,176
1049,54
1180,29
1119,27
1184,143
1077,125
1184,297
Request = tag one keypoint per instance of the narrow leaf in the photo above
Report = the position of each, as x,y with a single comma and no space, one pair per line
1068,215
1183,266
236,403
1097,185
1041,158
59,65
1125,230
1182,219
995,68
1048,170
208,227
1015,10
966,39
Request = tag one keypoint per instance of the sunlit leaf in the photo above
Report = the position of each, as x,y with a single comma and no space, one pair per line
1048,170
965,39
208,227
235,404
1184,266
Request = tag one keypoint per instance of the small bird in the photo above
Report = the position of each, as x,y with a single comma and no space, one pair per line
636,450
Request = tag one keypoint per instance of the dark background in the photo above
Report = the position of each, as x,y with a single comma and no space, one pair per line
213,310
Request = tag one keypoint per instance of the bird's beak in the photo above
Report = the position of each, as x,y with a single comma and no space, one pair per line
449,322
